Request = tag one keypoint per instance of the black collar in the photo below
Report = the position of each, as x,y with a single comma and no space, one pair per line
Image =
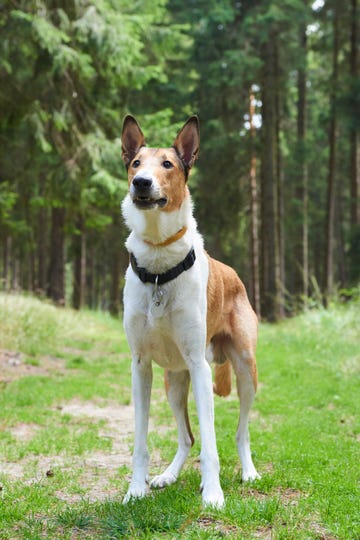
160,279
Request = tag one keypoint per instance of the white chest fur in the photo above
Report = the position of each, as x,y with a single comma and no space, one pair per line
154,330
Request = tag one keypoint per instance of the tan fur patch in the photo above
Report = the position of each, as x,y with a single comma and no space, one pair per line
222,384
229,315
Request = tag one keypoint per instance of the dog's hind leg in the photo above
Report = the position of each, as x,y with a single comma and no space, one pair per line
177,386
242,354
243,363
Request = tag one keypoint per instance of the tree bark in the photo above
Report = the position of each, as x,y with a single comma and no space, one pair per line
56,271
14,263
254,227
354,150
6,261
90,275
42,251
42,241
330,206
270,260
279,214
301,266
79,269
114,305
117,265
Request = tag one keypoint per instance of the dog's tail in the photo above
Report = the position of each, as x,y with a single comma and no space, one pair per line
222,383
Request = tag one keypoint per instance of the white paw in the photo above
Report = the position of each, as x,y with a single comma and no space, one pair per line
213,496
134,492
250,475
162,480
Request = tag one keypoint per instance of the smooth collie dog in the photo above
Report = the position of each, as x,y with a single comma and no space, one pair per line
182,309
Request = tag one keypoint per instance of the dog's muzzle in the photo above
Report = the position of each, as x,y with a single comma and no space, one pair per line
144,195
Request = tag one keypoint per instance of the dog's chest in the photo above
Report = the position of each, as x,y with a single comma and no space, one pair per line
151,323
159,345
158,342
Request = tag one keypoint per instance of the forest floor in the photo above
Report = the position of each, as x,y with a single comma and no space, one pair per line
66,431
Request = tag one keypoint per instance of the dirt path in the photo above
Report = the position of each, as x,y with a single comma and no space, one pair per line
99,470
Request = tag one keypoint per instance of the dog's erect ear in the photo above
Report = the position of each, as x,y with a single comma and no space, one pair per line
187,142
132,139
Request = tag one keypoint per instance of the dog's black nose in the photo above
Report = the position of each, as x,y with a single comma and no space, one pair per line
141,183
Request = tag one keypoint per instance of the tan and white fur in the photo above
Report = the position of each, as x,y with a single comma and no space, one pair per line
206,315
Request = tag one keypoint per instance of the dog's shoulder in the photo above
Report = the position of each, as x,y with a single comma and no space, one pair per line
224,277
225,290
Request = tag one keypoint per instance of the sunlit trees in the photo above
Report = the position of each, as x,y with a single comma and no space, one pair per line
276,196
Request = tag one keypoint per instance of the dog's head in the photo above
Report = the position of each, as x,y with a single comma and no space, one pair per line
158,176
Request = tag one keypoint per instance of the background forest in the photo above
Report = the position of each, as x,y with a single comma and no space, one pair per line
276,188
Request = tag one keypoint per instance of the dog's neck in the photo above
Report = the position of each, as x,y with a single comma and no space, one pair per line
173,238
155,227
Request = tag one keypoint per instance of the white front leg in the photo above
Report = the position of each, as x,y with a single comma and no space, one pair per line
201,379
141,391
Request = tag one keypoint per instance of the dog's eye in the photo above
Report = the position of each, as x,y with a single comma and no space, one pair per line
136,163
167,164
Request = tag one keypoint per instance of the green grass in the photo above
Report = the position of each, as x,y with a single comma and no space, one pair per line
60,478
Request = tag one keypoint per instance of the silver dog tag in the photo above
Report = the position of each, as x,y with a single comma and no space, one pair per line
157,306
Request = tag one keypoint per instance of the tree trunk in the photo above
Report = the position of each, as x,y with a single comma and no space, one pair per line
42,251
114,304
330,207
269,211
354,150
31,285
116,265
301,267
279,215
254,227
56,271
14,263
99,271
90,276
340,251
79,270
28,252
6,261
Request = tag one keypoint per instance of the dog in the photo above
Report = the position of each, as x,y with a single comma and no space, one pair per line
182,309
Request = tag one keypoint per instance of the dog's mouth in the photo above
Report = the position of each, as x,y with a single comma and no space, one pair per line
146,203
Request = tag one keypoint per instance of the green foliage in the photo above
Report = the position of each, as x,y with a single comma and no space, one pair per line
69,71
7,201
65,81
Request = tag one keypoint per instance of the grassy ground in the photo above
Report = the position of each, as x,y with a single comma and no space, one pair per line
66,432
